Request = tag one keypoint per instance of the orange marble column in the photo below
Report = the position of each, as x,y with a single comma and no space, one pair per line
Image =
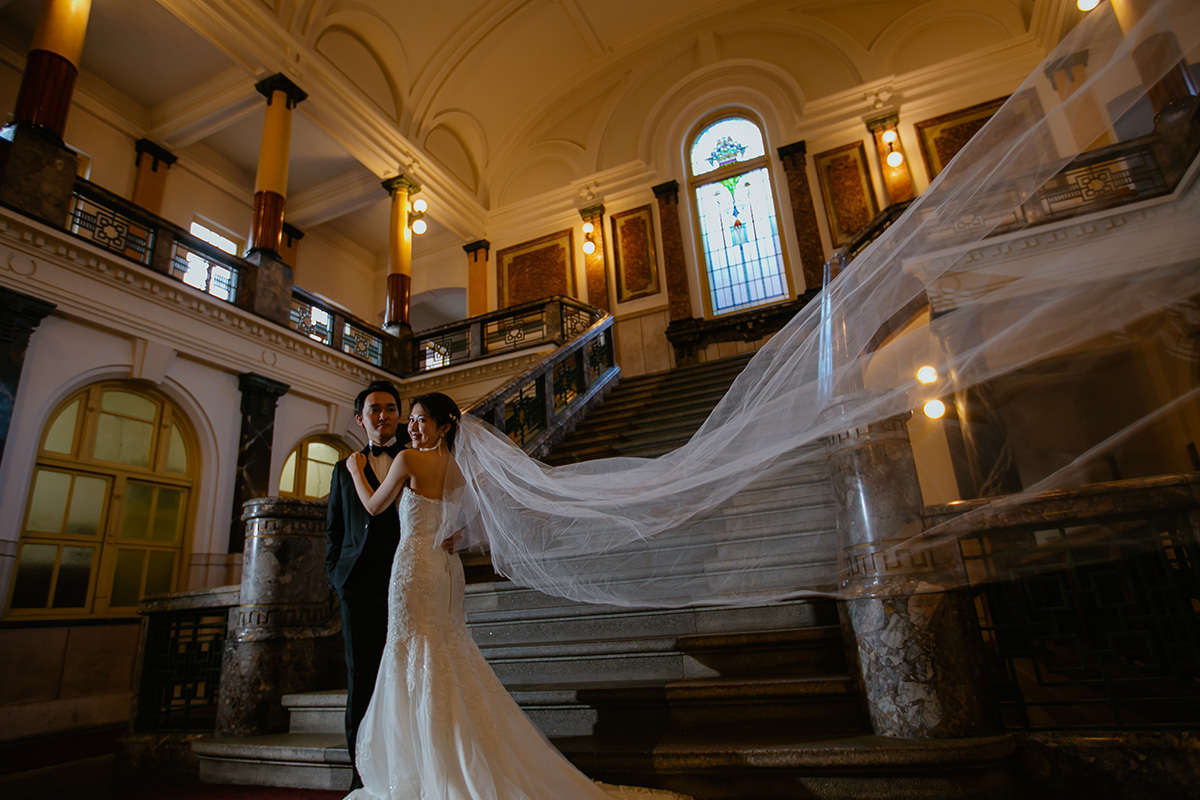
37,170
897,180
289,244
804,213
150,183
595,262
1068,74
270,183
399,279
477,276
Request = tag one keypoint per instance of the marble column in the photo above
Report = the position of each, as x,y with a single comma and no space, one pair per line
804,213
477,277
1158,57
283,634
679,297
1068,74
150,183
259,396
37,170
267,288
20,314
399,279
595,262
914,625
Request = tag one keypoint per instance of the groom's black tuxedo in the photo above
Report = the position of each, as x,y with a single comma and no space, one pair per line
359,549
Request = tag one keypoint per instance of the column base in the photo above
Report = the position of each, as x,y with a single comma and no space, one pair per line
266,289
37,174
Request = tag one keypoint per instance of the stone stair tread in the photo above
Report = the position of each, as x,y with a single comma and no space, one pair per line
306,748
687,689
668,643
705,751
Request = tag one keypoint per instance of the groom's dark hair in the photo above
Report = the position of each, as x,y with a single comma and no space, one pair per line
376,386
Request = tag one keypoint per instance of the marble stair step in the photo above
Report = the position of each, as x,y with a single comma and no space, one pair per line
298,760
778,765
730,706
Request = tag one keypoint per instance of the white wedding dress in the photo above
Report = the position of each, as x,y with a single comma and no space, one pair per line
440,725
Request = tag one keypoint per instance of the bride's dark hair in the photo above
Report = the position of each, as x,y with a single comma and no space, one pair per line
443,410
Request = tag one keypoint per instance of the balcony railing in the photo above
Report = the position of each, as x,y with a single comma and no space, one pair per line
551,321
1088,602
329,325
183,640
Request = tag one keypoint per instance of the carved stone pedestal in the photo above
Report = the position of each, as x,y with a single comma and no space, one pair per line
284,636
37,175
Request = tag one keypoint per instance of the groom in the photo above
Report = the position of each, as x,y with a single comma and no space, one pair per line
359,550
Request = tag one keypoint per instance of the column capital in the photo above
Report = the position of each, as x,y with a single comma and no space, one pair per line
792,150
1066,64
478,244
401,181
259,393
292,232
886,121
160,154
21,314
667,192
281,83
592,211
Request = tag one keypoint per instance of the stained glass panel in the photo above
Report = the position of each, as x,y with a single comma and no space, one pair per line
726,141
740,236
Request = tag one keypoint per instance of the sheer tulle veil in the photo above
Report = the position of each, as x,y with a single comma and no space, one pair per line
967,281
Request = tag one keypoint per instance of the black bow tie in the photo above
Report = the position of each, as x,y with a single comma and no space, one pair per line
391,450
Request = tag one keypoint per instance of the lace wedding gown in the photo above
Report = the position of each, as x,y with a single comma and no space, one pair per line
440,725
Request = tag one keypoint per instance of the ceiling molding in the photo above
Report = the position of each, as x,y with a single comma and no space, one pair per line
202,111
333,198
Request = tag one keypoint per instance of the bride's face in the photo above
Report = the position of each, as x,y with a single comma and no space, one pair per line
423,428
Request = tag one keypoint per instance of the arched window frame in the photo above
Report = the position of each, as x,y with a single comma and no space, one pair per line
696,183
123,483
297,467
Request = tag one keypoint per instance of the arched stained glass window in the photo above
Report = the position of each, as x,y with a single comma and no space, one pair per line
107,518
736,215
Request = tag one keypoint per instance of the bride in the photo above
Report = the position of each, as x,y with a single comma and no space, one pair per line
440,723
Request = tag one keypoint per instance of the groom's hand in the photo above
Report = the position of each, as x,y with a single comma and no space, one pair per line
449,545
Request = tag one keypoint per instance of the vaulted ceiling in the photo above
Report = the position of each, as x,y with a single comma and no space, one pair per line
486,102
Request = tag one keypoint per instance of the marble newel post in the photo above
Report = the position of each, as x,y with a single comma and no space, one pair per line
283,634
259,396
915,630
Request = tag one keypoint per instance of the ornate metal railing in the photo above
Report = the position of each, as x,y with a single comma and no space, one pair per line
109,221
1089,602
183,639
329,325
552,320
538,407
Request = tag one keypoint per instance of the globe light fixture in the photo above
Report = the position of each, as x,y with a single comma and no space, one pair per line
935,409
927,374
419,226
1086,5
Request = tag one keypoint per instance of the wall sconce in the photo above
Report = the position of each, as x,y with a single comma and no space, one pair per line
416,216
589,238
894,157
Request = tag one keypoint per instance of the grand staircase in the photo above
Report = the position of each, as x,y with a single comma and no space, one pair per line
720,703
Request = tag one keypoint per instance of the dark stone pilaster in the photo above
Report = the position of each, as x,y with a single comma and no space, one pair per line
283,634
804,214
266,288
259,396
19,316
679,297
915,632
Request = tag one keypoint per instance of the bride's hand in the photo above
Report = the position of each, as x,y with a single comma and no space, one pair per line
450,544
356,462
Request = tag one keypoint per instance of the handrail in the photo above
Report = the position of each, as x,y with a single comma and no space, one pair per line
541,405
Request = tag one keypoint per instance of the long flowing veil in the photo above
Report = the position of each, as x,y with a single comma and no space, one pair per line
1000,270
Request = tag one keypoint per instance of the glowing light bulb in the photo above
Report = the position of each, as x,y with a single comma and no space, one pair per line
889,136
935,409
589,247
588,227
419,226
927,374
895,158
1086,5
419,206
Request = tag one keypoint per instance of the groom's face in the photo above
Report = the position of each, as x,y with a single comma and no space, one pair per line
380,417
